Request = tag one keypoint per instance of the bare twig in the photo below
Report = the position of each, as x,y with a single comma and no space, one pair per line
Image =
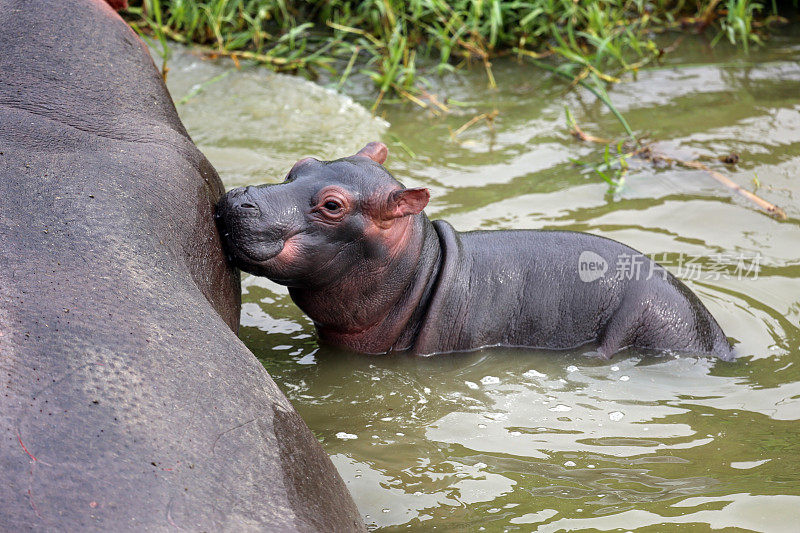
261,58
489,117
484,56
770,208
407,95
433,99
579,134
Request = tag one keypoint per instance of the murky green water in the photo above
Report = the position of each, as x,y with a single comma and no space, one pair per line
519,440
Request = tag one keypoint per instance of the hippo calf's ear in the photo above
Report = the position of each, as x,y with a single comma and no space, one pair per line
301,163
404,202
298,165
375,151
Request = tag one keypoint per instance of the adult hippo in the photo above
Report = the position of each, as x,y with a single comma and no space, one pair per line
128,402
364,262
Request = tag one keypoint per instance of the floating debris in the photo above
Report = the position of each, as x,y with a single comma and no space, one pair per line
533,374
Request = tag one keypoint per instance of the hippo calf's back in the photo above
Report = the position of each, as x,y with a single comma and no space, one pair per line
558,290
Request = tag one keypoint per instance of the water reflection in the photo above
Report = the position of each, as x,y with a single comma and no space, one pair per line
428,438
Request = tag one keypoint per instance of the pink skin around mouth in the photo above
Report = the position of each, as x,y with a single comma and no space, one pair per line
291,250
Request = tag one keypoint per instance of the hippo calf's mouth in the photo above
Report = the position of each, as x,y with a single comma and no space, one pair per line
240,254
267,252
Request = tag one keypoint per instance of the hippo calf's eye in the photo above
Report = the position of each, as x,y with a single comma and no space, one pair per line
331,204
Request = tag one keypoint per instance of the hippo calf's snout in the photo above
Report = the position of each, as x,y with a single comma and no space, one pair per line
364,262
239,199
251,227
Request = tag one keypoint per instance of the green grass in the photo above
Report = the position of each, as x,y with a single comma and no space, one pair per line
591,42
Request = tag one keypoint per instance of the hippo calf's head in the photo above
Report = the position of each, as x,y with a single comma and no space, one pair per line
328,219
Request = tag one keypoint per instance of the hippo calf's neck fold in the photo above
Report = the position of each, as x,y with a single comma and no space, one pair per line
364,262
377,311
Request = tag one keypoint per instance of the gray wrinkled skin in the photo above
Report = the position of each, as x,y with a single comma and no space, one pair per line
373,282
128,403
531,294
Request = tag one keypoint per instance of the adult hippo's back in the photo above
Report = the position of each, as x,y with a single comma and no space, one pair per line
127,402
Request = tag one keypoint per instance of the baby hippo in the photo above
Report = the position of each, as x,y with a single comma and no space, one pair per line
376,275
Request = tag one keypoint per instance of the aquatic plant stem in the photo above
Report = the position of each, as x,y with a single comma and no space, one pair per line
594,90
648,154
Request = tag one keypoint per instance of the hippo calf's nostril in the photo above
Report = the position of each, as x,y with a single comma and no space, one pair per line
246,207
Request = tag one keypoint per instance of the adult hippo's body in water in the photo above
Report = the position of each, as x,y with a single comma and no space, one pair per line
364,262
127,403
